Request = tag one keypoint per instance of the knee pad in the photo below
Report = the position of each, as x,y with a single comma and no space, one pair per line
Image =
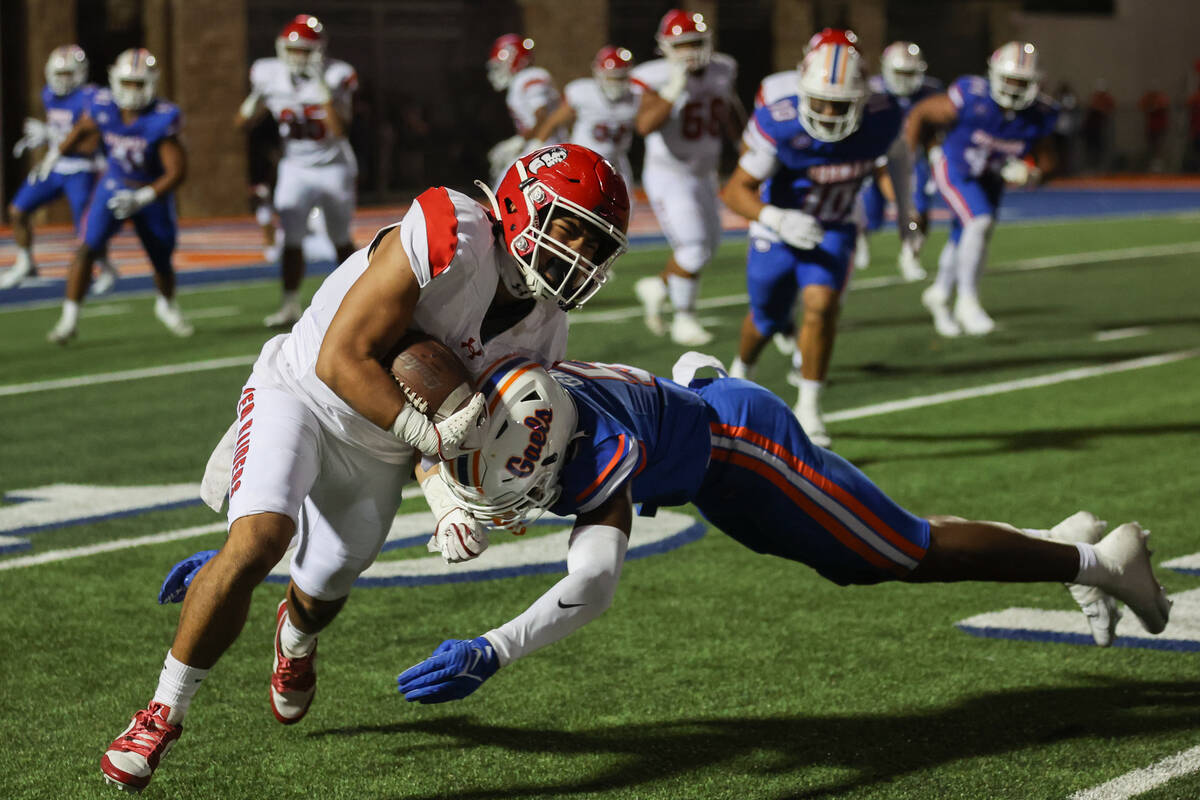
294,222
692,257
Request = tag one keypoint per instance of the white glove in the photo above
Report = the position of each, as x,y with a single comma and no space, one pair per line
796,228
126,202
35,134
45,166
676,82
459,433
1017,172
459,537
251,105
504,153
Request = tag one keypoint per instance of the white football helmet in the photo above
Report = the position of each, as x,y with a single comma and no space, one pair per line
133,78
685,37
833,91
1013,75
513,478
301,43
66,69
903,68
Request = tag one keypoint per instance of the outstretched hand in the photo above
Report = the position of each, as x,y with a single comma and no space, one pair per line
456,668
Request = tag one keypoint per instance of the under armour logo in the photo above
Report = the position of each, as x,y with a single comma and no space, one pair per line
473,349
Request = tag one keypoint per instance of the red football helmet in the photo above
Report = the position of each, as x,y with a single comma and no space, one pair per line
301,43
611,68
510,54
685,37
842,36
561,180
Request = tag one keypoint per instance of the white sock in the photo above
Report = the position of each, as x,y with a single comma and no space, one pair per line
294,642
947,275
810,394
70,312
797,359
162,305
1091,572
24,257
291,298
177,685
682,292
740,369
972,254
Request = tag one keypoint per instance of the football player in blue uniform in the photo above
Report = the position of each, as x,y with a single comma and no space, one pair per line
990,126
65,97
146,162
805,159
593,440
903,77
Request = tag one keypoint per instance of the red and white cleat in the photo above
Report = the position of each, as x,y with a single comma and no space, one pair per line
294,681
131,759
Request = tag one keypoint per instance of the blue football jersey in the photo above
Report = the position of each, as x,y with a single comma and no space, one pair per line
819,178
132,149
632,425
986,134
62,112
929,86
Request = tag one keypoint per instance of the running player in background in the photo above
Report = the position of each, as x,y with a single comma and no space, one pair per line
530,96
688,107
310,98
990,126
146,162
65,98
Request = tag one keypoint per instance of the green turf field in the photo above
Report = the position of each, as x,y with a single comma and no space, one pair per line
717,673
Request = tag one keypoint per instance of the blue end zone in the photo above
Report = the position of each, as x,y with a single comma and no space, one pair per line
1053,637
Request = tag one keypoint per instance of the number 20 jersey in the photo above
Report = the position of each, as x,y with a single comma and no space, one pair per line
819,178
690,140
294,102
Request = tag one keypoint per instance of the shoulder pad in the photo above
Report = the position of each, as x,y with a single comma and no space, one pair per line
782,110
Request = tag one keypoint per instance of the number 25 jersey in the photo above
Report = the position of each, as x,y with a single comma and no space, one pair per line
294,102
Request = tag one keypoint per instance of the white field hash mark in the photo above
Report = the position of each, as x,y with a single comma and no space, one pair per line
1140,781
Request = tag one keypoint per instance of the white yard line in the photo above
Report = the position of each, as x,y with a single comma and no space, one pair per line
105,547
1121,333
1140,781
987,390
126,375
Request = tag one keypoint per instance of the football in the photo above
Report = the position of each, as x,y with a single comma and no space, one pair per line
431,376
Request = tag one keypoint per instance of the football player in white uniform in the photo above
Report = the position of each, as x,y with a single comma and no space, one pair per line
530,96
310,97
324,439
687,108
599,110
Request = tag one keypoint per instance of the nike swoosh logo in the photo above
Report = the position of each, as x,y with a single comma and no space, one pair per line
561,604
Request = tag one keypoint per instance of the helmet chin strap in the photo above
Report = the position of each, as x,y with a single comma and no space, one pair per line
510,271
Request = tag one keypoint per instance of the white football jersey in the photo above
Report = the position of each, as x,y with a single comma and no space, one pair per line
601,124
450,244
531,90
294,102
777,86
691,138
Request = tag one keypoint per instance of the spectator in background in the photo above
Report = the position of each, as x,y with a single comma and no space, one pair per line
1155,105
1067,128
1097,124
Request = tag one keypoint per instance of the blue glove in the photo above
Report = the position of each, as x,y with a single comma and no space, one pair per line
457,668
175,585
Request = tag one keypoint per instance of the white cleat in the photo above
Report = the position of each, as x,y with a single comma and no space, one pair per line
814,426
937,303
1099,608
62,332
686,330
862,252
972,318
785,344
652,293
1131,579
909,264
106,280
287,316
171,317
18,273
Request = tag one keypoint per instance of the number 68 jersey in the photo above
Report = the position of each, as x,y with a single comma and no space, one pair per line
294,102
690,140
818,178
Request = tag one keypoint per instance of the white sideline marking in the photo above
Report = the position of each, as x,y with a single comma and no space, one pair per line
126,375
1010,386
116,544
1140,781
105,310
209,313
1121,333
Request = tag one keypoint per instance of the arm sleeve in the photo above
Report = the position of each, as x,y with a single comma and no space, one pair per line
760,157
594,561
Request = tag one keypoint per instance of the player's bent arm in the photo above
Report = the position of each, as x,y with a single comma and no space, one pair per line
374,314
174,161
652,114
79,137
561,117
740,194
933,114
594,558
